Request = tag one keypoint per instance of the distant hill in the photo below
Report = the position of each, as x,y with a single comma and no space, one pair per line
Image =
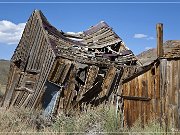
4,70
148,56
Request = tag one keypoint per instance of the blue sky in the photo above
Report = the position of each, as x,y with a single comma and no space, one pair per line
133,22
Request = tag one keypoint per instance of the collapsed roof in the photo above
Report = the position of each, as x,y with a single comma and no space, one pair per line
97,44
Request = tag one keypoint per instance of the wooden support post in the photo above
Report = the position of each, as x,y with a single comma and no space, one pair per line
159,69
159,29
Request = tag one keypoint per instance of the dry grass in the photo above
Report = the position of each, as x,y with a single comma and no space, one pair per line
17,120
101,120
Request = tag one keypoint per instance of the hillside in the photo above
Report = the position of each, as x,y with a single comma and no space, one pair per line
150,55
4,70
147,56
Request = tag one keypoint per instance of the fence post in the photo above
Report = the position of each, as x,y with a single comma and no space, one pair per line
159,29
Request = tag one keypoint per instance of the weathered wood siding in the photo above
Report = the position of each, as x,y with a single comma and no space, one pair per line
170,91
82,84
154,94
31,63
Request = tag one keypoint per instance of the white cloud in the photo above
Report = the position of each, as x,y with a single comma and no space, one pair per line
10,33
140,36
147,48
74,33
150,38
143,36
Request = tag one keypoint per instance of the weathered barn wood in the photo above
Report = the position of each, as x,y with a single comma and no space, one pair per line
58,72
155,98
153,91
83,68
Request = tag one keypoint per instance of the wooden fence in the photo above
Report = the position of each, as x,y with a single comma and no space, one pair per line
154,94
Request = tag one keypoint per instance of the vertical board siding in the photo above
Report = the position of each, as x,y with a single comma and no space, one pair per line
161,84
155,93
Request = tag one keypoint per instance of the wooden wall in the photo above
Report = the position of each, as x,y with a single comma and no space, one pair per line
30,66
81,84
154,94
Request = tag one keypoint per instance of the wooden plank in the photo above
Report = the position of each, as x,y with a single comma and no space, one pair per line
43,55
65,72
167,103
39,49
23,98
135,98
91,76
53,71
157,92
33,29
163,89
10,75
14,82
38,46
149,81
59,72
170,83
57,69
33,41
15,93
35,47
26,100
116,86
40,56
178,90
70,88
137,102
19,98
173,89
144,85
61,105
107,82
159,29
125,113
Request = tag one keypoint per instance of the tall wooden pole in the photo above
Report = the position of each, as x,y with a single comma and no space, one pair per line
159,29
160,70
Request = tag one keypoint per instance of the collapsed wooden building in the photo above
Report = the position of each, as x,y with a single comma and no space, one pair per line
58,72
67,68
